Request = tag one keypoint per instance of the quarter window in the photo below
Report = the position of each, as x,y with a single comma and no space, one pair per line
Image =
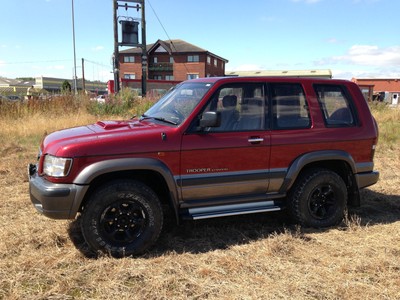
335,105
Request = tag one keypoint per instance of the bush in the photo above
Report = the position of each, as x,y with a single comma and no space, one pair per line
126,103
388,120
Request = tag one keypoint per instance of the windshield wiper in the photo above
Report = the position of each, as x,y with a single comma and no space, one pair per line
144,117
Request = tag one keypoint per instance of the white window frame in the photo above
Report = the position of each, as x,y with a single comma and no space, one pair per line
129,76
193,58
129,59
192,75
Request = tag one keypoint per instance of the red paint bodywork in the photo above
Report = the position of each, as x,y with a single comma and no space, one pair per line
224,152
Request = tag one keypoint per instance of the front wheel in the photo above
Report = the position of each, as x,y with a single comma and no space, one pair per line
123,218
318,199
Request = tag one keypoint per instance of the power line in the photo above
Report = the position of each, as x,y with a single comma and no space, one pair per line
159,21
96,63
32,62
166,33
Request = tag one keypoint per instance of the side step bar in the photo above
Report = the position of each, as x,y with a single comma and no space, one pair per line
207,212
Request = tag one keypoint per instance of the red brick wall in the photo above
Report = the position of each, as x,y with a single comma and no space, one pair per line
181,67
130,68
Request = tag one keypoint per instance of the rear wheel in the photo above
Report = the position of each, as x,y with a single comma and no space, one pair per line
123,218
318,199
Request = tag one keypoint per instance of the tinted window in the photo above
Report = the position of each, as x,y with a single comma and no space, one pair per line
335,105
290,109
241,106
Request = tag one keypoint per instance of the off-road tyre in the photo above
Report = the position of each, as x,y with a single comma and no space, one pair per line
318,199
122,218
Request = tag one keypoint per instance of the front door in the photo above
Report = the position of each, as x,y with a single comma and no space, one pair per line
228,163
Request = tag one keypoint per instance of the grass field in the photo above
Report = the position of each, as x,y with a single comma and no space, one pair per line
248,257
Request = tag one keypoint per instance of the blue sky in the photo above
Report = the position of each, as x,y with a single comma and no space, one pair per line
353,38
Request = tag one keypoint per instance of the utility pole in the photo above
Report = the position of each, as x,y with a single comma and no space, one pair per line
83,76
116,48
130,38
144,53
73,39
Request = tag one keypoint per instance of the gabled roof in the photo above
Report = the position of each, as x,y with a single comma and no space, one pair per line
7,82
172,46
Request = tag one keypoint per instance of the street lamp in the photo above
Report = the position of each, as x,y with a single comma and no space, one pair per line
73,40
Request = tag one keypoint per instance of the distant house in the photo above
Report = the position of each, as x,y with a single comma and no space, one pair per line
14,86
287,73
171,60
51,84
380,89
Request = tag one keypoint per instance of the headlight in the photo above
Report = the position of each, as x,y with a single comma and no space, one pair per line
56,166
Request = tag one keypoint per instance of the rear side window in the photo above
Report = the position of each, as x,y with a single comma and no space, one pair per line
335,105
289,105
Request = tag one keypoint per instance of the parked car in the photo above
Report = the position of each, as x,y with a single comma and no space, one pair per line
14,98
211,147
99,98
10,98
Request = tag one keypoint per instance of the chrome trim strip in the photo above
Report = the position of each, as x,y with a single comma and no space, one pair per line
233,209
220,208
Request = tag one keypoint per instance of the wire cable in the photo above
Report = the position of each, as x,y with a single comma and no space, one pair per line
166,33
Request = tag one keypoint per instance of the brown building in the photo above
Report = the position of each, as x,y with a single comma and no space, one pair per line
380,89
172,60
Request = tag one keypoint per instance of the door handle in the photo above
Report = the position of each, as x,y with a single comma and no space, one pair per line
255,140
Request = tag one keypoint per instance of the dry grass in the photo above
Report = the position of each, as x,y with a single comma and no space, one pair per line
246,257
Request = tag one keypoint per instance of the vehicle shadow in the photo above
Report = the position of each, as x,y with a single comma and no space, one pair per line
221,233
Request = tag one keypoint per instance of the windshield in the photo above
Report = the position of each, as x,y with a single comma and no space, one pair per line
178,103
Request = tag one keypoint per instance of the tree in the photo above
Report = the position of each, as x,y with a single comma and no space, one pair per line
66,87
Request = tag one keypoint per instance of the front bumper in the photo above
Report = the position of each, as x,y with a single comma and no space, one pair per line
54,200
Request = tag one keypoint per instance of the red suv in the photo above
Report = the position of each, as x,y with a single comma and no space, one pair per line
209,148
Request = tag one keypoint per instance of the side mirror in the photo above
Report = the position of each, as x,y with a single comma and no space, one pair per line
210,119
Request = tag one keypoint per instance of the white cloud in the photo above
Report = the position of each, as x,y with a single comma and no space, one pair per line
245,67
375,73
98,48
366,55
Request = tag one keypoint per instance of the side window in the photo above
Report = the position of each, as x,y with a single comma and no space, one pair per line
335,105
241,106
289,106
